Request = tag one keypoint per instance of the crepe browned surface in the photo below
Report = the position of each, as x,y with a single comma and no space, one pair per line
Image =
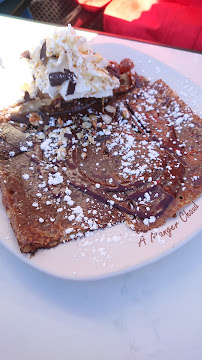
73,168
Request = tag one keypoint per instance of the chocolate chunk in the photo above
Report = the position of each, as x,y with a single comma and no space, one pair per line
57,78
43,56
71,87
26,55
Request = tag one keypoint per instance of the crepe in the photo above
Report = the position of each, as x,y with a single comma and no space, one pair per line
70,168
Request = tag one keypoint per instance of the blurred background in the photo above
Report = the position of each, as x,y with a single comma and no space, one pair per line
176,23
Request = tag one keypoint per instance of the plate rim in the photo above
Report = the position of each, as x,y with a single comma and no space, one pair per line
128,269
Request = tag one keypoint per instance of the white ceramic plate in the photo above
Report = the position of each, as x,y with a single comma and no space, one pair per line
119,249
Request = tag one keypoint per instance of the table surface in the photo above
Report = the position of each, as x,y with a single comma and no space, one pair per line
151,313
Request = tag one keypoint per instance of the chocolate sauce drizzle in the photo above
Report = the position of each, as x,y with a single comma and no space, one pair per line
165,185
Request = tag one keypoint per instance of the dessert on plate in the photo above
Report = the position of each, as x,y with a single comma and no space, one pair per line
93,144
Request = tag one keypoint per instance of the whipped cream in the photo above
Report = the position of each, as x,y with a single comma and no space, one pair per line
65,65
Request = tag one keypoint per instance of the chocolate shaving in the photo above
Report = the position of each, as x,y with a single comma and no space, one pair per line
57,78
43,56
26,55
71,87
